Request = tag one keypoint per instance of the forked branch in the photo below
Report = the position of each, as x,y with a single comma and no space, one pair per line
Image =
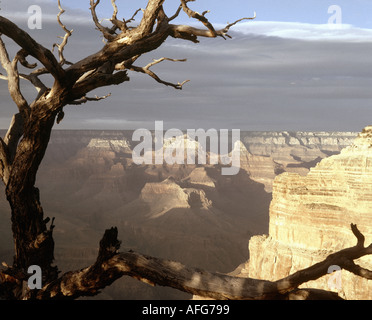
134,15
200,17
191,33
153,75
117,24
106,32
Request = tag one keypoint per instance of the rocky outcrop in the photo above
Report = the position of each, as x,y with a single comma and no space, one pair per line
199,176
310,218
167,195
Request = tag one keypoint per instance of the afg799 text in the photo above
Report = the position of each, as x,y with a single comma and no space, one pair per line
207,309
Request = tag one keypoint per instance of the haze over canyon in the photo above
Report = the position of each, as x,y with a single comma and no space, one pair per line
196,215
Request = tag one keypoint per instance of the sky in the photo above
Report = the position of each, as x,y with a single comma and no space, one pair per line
299,66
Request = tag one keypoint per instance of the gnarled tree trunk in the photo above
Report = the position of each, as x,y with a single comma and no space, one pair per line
34,244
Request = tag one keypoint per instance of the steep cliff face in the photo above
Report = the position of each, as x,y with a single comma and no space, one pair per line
310,217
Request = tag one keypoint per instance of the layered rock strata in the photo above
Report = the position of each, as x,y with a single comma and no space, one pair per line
271,153
310,218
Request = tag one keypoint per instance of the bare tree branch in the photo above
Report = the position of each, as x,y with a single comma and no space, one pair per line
40,87
86,99
8,146
176,13
147,71
122,49
134,15
191,33
32,77
106,32
120,24
24,40
21,57
68,34
114,19
223,32
97,80
13,79
201,18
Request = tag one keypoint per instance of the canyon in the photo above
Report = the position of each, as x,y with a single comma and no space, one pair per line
188,212
310,218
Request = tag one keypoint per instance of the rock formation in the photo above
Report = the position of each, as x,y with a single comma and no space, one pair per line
164,196
310,218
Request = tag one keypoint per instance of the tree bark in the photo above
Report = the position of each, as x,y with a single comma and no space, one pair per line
33,241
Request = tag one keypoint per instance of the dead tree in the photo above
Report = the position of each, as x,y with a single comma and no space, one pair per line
24,145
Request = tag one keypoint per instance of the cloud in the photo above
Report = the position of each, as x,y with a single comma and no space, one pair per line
306,31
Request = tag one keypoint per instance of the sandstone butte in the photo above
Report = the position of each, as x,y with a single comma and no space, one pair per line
310,218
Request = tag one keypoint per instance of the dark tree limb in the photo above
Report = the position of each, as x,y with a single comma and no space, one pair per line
111,265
